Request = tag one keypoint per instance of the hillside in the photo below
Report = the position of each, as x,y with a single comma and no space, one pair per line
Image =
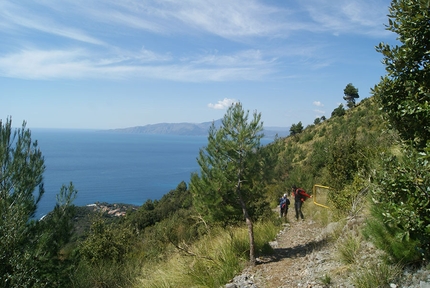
333,247
169,243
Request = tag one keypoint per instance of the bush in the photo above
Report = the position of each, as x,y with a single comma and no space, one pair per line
401,204
106,243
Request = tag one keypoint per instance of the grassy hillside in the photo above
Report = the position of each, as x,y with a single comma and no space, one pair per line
166,243
164,233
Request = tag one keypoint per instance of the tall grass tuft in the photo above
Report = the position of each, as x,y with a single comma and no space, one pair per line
377,275
211,261
348,249
105,274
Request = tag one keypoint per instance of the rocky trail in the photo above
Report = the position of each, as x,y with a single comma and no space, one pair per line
305,257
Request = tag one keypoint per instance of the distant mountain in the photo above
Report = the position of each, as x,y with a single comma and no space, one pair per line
191,129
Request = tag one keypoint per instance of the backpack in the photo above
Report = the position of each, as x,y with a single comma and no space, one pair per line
298,194
282,202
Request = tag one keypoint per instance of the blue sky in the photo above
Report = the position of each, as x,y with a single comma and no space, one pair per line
122,63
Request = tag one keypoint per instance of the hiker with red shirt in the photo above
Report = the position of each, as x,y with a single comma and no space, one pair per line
300,196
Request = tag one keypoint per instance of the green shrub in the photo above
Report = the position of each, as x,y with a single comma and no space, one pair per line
306,137
106,242
386,237
351,199
401,206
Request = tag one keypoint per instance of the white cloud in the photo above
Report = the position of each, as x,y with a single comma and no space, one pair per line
19,17
222,104
229,19
318,103
80,64
353,16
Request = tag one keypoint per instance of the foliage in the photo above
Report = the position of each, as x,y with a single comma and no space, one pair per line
30,250
306,137
318,158
56,228
384,236
343,159
211,261
350,94
228,188
402,196
338,112
152,212
404,93
296,128
228,163
351,199
106,243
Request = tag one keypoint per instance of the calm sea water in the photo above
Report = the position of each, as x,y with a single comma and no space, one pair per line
115,167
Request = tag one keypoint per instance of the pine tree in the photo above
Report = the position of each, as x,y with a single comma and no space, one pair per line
29,249
226,191
350,94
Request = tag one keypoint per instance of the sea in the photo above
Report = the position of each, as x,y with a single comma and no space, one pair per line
115,167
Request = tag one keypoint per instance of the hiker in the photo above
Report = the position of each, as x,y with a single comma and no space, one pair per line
300,196
284,202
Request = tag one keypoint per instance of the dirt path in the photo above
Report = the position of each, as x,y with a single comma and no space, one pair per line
294,249
303,257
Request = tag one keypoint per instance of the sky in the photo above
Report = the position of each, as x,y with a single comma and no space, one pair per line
106,64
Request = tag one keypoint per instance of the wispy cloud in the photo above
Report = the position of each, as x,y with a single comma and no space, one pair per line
142,38
318,103
353,17
222,104
18,17
79,63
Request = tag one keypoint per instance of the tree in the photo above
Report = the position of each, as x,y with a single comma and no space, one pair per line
350,94
21,172
227,188
339,111
401,197
28,247
404,93
296,128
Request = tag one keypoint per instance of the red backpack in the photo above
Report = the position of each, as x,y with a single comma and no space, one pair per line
301,194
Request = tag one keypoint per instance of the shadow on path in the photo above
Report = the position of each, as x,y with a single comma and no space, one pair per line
296,251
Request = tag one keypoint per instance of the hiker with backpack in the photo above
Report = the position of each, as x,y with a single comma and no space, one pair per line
284,202
300,197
